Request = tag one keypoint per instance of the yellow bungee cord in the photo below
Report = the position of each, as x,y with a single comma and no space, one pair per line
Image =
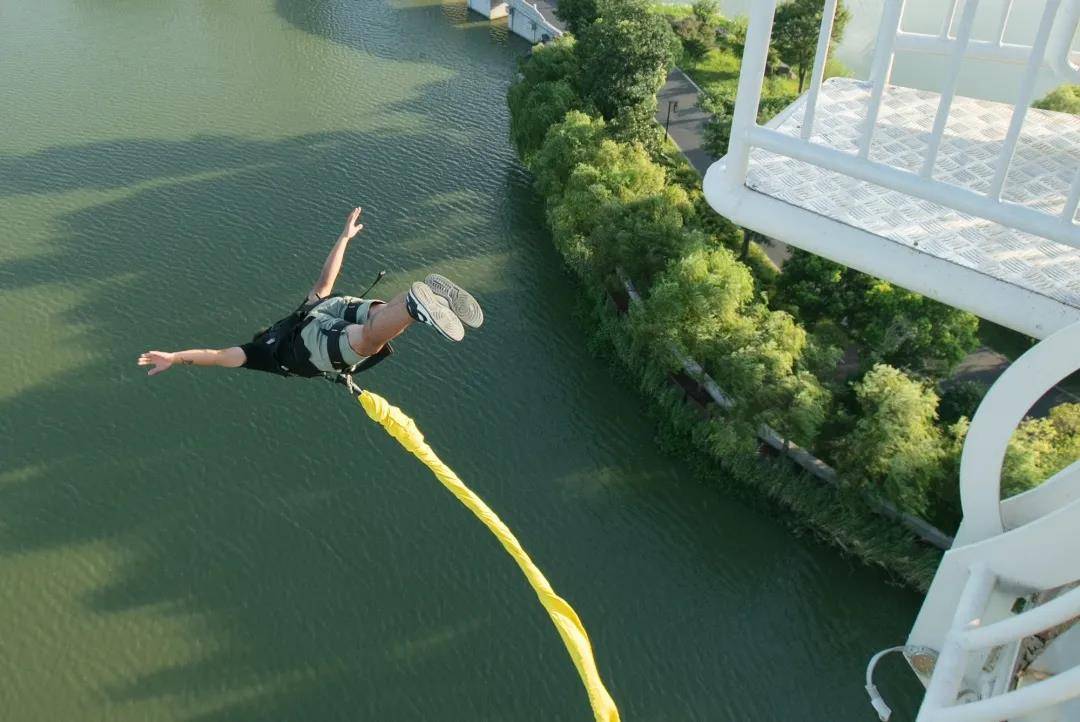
396,423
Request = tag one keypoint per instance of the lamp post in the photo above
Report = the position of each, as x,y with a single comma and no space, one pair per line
671,105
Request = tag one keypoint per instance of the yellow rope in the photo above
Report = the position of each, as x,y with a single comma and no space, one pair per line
573,634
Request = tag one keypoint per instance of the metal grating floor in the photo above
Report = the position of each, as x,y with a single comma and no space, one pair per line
1046,158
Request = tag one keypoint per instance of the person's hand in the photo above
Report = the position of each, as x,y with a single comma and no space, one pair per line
352,224
160,360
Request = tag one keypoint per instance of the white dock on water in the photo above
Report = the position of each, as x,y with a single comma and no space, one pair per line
536,22
973,203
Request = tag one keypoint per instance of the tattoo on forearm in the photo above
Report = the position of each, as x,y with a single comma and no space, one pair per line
187,361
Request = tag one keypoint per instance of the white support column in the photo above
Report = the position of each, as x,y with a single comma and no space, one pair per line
1027,92
828,17
751,78
963,35
949,670
881,69
1001,411
1003,22
1068,213
950,16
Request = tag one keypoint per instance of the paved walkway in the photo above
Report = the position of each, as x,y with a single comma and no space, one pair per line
687,119
547,9
686,127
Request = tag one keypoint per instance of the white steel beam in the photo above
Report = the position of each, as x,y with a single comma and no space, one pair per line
881,69
751,78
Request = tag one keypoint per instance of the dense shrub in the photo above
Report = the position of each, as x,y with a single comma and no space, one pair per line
960,399
1065,99
545,92
1040,448
578,14
624,57
895,448
892,325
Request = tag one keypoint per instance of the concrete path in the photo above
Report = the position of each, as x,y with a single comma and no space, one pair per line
686,128
687,120
547,9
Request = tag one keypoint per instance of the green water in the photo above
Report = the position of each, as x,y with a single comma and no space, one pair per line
225,545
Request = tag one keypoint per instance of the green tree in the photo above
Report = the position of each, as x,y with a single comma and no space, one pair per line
891,325
575,140
644,235
704,301
577,15
767,378
697,31
637,124
895,446
616,174
960,399
707,13
698,302
906,329
795,32
696,37
1040,448
624,58
545,91
1065,99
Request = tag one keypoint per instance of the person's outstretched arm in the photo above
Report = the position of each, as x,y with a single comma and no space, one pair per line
325,284
232,357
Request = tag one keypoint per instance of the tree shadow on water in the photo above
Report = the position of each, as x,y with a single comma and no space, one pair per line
234,500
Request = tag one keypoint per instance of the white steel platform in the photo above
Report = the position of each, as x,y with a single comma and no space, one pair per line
1046,159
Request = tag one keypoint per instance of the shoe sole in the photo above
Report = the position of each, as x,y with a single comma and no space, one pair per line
462,303
440,317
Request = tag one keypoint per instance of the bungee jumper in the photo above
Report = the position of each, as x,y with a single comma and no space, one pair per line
331,334
336,336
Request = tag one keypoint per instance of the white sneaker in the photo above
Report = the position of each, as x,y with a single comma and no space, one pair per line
424,306
461,301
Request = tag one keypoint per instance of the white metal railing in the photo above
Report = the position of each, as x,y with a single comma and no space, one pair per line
1050,48
989,557
967,636
1060,57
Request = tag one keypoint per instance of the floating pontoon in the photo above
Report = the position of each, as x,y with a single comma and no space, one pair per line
974,203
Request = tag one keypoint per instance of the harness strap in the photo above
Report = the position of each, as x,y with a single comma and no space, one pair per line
351,310
333,350
333,344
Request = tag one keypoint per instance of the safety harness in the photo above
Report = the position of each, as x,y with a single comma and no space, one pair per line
293,357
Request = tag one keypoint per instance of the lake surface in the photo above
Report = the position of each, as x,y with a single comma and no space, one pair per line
221,545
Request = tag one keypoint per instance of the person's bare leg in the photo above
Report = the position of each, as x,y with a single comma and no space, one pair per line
385,321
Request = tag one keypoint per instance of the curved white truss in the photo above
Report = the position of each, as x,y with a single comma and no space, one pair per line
1001,411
